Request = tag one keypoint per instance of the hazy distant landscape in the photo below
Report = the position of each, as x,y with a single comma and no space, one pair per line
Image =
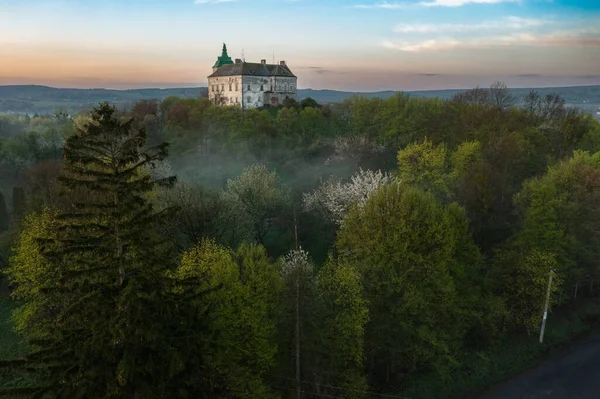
33,99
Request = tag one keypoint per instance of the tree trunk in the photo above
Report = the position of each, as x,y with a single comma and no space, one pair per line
119,247
298,391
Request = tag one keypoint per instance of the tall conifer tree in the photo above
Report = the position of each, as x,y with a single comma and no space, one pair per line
121,330
4,220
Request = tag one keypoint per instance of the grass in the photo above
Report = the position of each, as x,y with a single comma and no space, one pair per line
510,357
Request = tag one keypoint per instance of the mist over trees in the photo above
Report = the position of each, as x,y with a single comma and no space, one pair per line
303,251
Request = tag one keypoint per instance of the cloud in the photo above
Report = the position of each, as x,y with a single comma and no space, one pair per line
384,5
213,1
319,70
565,38
432,3
459,3
511,22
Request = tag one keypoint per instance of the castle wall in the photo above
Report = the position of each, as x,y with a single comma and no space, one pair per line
251,91
228,88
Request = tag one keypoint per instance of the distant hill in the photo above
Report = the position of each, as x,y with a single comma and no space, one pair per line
43,99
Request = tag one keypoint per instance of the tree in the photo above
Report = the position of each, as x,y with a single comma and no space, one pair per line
333,199
243,290
291,103
198,215
520,278
19,205
309,102
425,166
355,148
118,330
256,200
4,218
559,228
344,316
500,96
299,328
30,272
408,249
477,96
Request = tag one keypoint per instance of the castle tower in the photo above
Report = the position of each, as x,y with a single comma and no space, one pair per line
224,59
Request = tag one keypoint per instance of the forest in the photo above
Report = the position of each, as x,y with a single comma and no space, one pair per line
371,248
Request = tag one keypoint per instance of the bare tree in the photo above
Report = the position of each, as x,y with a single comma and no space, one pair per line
219,99
355,148
544,109
500,96
474,96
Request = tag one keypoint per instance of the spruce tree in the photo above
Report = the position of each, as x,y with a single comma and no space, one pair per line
120,330
4,221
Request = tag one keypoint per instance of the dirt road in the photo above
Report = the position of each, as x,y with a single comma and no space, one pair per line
569,374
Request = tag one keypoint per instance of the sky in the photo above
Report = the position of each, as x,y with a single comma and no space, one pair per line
352,45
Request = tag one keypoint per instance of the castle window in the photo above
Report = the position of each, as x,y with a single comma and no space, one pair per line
248,99
237,87
229,86
261,88
236,100
213,88
222,87
248,87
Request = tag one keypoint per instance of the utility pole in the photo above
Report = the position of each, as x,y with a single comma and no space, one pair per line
546,307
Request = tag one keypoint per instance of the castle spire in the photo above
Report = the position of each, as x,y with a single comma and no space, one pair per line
224,59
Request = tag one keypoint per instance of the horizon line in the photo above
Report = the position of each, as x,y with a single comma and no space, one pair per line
342,91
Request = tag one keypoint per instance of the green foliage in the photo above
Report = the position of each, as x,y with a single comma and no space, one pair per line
244,287
425,166
300,320
560,230
513,355
111,323
309,103
345,315
256,202
4,217
466,156
18,203
199,214
30,271
404,243
405,293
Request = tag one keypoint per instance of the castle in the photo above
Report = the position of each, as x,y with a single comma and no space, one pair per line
248,84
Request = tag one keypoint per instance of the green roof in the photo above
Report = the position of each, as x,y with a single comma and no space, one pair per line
224,59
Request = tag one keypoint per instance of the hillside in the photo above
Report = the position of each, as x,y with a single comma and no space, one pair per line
42,99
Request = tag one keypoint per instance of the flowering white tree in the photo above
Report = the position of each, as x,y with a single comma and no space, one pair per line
294,261
334,198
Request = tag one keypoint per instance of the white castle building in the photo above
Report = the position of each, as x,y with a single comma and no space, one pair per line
248,84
